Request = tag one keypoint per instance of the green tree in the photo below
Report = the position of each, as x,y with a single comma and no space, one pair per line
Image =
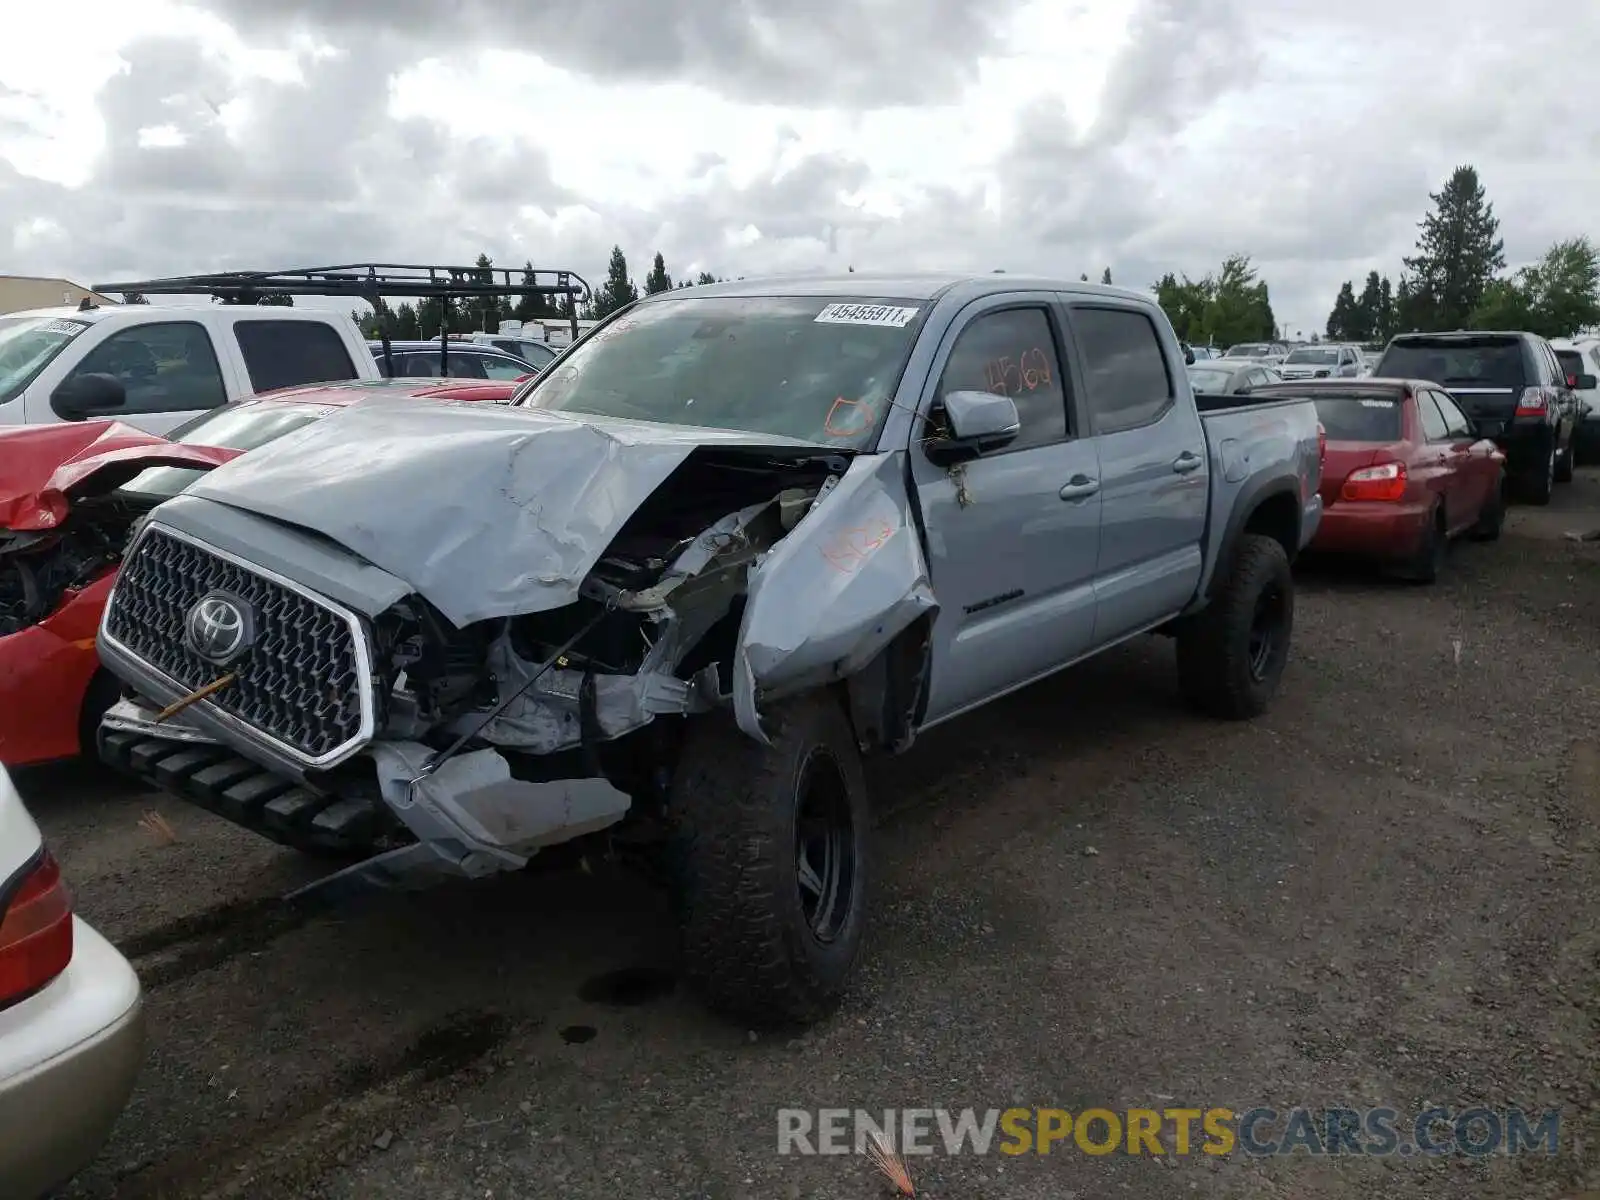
1505,305
1458,252
1563,288
1184,301
1413,313
707,277
1369,309
1384,329
1084,277
658,280
1342,320
1105,276
618,291
1240,309
531,306
406,327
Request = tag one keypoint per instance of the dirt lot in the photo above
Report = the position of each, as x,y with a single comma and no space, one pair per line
1381,893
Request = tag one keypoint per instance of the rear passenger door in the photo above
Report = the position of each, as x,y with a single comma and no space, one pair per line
280,354
1154,469
1474,470
1013,535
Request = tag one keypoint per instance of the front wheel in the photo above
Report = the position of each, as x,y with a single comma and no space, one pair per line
770,861
1231,654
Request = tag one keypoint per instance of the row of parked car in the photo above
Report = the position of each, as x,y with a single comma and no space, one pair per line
670,594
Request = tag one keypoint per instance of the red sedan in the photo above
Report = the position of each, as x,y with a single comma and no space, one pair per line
1406,471
68,496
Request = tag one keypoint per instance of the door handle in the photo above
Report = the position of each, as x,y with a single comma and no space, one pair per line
1186,462
1080,487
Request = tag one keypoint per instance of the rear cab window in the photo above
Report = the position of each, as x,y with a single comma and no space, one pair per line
1484,361
280,354
1360,418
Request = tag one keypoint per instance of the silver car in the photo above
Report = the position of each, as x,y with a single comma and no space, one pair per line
1321,362
71,1020
1230,376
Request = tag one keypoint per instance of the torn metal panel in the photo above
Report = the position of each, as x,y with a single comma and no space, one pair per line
475,816
849,578
486,511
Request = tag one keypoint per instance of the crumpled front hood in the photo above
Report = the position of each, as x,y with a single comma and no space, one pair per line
486,511
43,468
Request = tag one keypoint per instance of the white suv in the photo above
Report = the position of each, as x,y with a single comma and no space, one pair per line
1580,357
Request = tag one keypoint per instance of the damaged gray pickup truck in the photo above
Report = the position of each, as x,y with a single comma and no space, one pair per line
730,542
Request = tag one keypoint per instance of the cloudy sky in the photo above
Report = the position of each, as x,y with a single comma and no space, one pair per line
162,136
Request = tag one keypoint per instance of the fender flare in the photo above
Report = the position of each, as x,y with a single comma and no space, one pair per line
1249,502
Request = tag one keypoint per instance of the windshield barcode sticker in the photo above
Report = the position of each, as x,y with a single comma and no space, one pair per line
886,315
70,328
1377,404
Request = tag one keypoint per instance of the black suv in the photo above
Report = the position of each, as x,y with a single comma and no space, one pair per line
1512,387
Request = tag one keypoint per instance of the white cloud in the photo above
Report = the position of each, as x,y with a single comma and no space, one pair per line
154,136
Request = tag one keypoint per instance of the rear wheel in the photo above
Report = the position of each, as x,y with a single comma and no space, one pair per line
1541,481
1492,519
1231,654
1428,561
1566,461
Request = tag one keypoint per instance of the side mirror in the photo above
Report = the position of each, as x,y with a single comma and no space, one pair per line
1188,355
85,396
1489,429
976,422
1586,383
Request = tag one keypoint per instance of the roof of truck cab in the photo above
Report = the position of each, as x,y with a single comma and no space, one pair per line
930,285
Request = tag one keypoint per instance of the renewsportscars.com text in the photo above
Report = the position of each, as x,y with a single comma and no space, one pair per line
1379,1132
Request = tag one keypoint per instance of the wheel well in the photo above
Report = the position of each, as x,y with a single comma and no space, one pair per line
887,698
1277,517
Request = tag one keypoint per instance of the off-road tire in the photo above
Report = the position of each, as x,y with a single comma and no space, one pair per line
748,948
1429,560
1215,672
1493,517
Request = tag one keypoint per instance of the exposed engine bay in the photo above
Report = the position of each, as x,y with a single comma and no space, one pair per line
37,568
652,633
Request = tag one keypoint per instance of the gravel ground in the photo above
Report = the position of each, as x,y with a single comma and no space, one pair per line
1380,893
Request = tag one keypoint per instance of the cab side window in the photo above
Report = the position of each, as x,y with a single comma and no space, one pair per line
1124,368
166,366
1012,353
1433,422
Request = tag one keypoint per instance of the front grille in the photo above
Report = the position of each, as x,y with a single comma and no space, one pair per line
300,684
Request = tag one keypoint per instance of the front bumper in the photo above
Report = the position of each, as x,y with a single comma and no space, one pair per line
69,1058
1369,529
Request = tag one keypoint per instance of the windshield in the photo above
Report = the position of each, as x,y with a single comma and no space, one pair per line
242,427
1359,418
1492,362
1318,357
1210,381
1249,350
27,344
815,368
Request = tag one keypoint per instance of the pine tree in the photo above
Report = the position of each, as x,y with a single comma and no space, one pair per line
1105,276
1385,327
1458,253
531,306
705,277
618,291
658,280
1368,310
1343,316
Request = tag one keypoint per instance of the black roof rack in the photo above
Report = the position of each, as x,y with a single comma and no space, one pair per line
372,282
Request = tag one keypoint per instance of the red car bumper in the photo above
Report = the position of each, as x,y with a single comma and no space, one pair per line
44,675
1372,529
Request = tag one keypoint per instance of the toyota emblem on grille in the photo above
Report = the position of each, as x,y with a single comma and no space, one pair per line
219,628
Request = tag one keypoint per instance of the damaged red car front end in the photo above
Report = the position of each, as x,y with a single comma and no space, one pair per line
63,526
